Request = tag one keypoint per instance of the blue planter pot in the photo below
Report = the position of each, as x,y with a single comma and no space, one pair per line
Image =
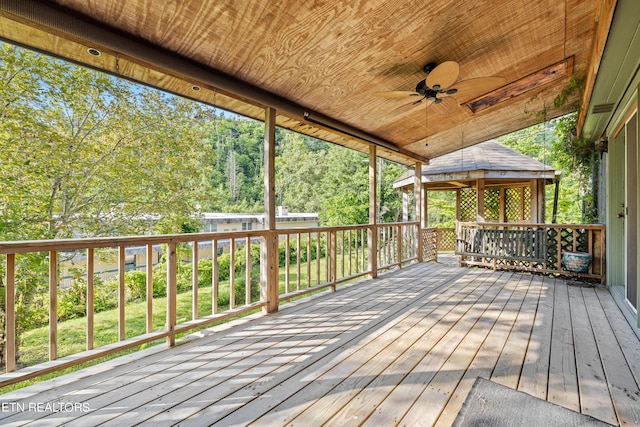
577,262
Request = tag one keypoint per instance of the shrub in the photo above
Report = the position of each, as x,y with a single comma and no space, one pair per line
135,283
72,301
105,295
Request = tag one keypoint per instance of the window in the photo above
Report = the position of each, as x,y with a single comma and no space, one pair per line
246,226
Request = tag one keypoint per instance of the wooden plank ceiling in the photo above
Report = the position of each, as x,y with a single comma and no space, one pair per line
326,60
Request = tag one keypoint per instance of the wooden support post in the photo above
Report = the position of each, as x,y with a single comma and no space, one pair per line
269,288
421,208
373,213
458,205
172,292
480,200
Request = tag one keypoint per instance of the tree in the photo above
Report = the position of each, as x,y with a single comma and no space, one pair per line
85,153
300,169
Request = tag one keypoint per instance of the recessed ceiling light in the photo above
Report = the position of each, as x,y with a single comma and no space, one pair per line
196,88
94,52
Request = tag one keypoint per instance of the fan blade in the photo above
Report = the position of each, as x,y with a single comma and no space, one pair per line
444,75
405,107
473,88
448,105
398,94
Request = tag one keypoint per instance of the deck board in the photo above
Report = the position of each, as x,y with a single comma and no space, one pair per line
404,348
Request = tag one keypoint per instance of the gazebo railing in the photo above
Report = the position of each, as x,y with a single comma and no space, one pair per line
531,247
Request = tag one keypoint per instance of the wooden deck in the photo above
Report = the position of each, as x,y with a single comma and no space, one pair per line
402,349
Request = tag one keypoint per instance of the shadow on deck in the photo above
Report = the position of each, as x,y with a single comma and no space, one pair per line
401,349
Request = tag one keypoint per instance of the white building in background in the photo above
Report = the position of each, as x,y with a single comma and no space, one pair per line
227,222
135,256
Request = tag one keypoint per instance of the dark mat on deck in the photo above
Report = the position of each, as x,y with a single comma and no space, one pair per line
492,404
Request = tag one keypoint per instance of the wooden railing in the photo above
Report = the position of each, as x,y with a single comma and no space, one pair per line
531,247
347,254
310,260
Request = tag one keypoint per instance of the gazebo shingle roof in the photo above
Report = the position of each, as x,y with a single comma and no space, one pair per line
490,158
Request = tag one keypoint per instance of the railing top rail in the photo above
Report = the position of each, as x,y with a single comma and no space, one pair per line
341,227
526,224
24,246
104,242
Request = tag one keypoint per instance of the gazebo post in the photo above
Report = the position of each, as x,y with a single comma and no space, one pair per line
480,200
537,187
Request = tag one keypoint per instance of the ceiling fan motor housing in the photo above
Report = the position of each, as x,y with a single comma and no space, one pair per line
425,91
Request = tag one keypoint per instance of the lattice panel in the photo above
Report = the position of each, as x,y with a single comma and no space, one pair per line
467,204
526,214
446,239
513,204
430,244
492,205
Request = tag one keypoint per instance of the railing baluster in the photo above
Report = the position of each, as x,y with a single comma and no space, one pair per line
247,289
121,293
329,265
298,257
309,261
342,251
350,253
172,292
356,250
363,246
195,255
287,261
53,305
399,245
318,259
232,272
10,319
90,297
590,249
214,276
333,247
149,299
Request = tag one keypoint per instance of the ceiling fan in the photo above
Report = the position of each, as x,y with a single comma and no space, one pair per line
441,91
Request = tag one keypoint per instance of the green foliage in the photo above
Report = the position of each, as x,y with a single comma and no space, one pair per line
442,209
553,142
84,152
135,285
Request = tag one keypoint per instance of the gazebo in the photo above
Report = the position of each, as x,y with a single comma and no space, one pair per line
493,183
